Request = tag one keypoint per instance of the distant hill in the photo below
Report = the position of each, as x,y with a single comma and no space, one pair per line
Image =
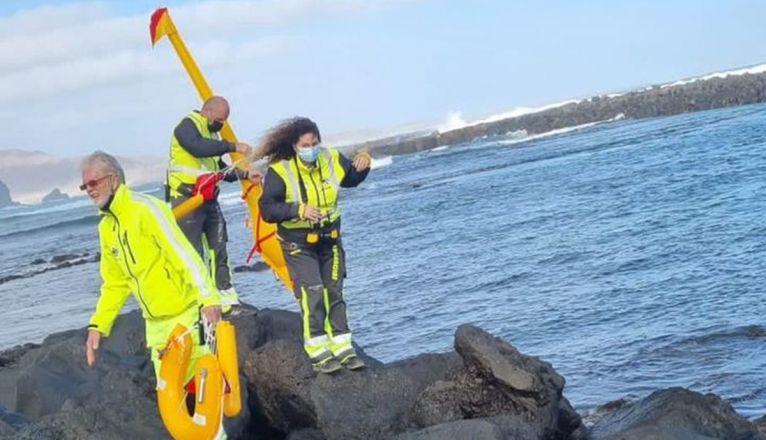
31,175
55,196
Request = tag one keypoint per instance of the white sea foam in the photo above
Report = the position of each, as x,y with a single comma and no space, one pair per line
380,162
753,70
455,121
521,137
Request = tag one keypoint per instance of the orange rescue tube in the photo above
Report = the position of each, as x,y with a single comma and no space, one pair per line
206,421
265,237
226,345
188,206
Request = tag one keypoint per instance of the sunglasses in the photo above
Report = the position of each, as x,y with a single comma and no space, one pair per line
93,183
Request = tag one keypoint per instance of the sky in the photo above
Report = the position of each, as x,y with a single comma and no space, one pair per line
80,76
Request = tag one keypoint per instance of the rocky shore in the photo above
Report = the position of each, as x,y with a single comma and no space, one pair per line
41,265
654,101
484,389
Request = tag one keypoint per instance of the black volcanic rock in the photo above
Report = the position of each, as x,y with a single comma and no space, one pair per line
10,423
258,266
486,389
493,428
54,196
461,392
57,396
656,101
675,414
592,417
760,425
499,381
12,355
63,399
56,259
56,262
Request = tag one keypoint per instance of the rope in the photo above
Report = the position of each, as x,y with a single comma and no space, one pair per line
229,169
245,158
177,340
209,332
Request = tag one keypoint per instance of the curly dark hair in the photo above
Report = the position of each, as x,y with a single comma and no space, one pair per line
278,143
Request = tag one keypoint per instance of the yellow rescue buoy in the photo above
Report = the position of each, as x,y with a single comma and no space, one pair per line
212,374
226,342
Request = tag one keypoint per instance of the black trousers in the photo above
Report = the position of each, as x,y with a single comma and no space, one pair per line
208,220
317,271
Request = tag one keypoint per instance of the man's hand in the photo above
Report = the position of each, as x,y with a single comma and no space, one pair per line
255,176
243,148
91,345
313,215
211,314
362,160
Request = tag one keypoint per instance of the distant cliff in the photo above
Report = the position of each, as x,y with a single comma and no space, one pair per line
664,100
5,195
55,195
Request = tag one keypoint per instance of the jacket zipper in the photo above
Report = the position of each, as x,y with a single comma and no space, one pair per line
130,251
321,183
130,272
319,196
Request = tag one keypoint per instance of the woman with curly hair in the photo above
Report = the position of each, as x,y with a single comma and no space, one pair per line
300,194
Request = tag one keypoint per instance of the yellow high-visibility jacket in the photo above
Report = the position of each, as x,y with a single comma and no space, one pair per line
321,184
143,251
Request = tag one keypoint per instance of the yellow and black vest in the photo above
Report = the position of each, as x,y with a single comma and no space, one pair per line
321,183
185,168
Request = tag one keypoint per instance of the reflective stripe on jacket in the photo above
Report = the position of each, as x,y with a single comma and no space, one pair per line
143,251
184,168
320,182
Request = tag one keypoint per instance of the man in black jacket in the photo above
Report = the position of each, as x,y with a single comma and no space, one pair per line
195,150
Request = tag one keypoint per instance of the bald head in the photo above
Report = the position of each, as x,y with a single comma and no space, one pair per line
216,109
216,103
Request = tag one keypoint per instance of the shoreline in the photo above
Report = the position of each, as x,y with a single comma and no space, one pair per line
485,385
655,101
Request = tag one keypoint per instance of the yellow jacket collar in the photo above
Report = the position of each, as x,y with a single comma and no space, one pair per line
199,113
120,200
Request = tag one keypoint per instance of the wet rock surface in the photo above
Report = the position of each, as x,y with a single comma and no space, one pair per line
258,266
485,389
675,414
56,262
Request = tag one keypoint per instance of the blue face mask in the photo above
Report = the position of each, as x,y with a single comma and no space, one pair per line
309,154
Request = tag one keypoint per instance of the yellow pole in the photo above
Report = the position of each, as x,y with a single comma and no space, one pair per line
188,206
162,25
264,234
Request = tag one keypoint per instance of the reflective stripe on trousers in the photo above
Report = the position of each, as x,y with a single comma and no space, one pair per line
317,272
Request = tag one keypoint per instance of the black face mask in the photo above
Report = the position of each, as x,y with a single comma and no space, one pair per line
215,127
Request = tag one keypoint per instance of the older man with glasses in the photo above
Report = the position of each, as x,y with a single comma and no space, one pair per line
143,251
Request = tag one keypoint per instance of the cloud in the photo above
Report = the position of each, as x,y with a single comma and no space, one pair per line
50,18
74,74
81,76
62,49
